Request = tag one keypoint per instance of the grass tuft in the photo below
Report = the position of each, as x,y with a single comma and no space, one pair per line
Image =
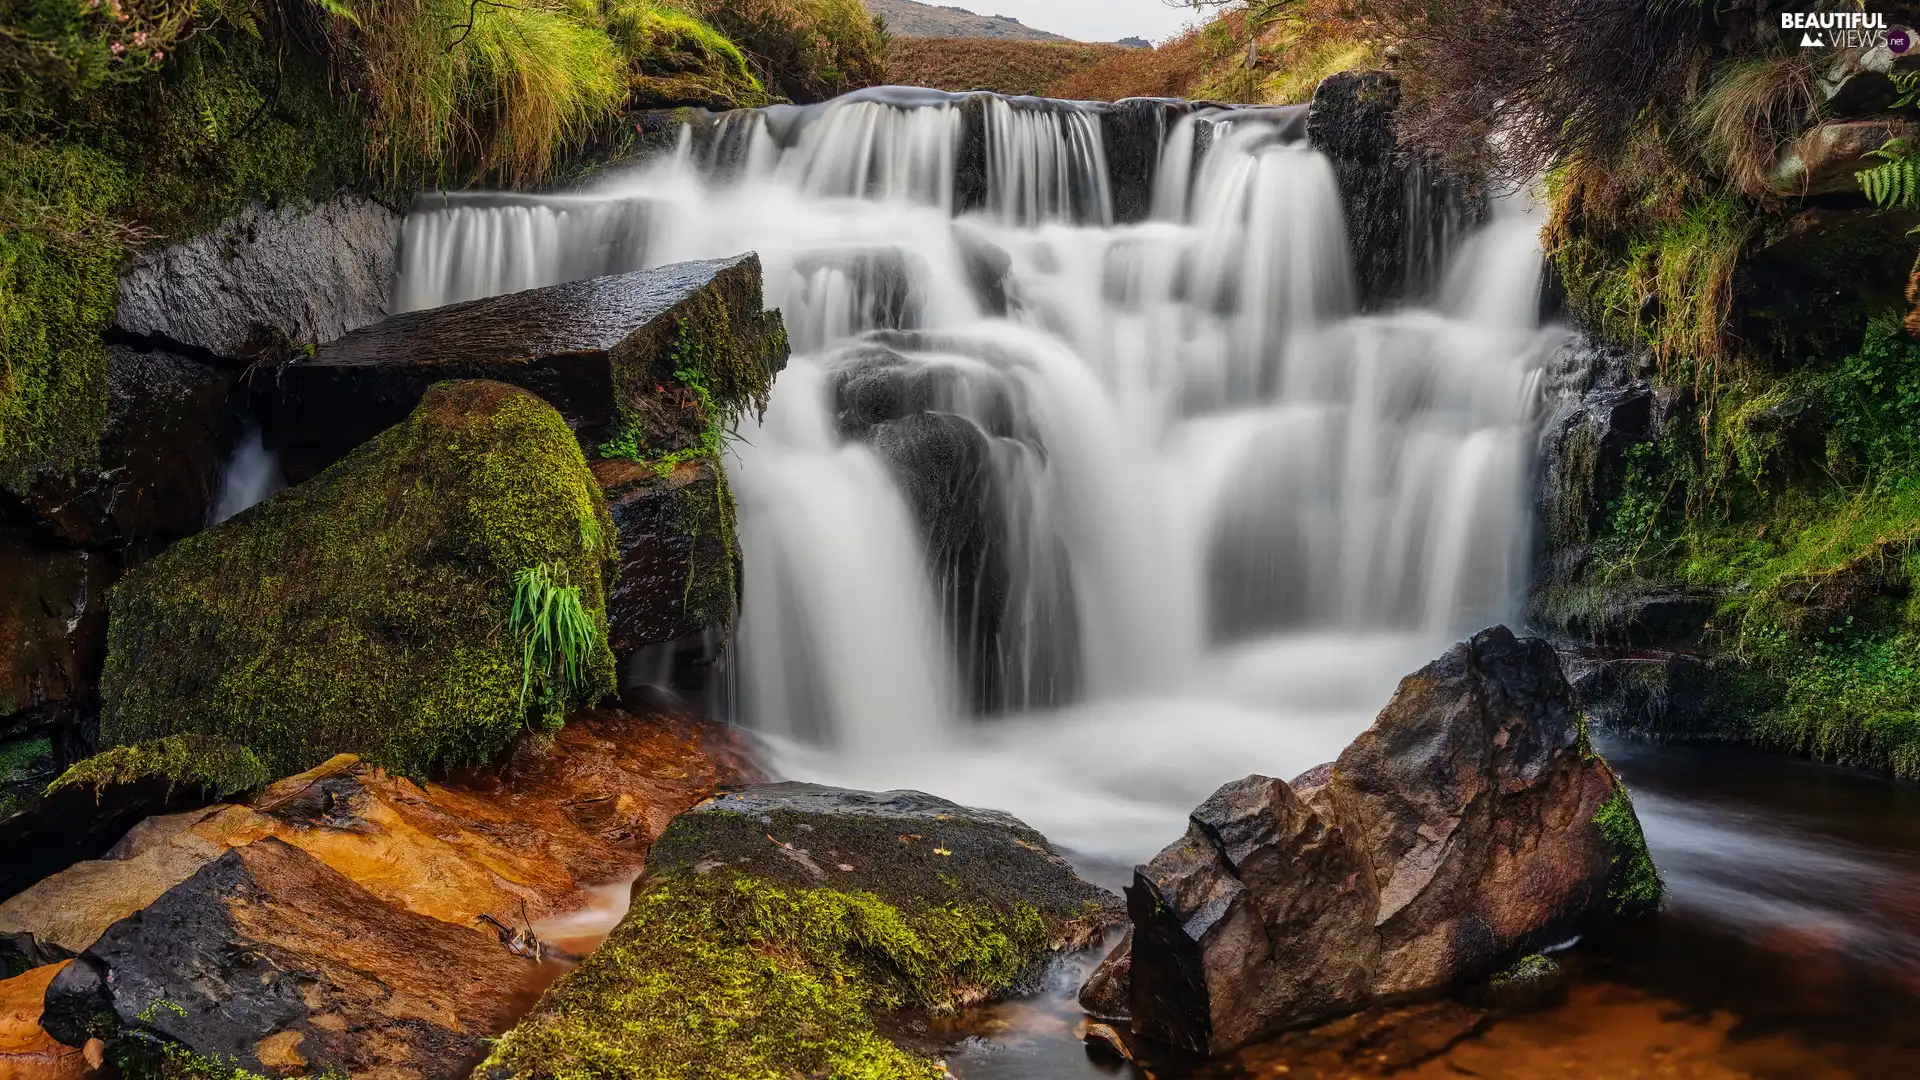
558,637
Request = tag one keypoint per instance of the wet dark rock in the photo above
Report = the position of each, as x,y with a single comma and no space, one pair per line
886,277
1403,216
1457,832
52,641
168,431
1807,285
678,575
269,960
1652,693
1133,132
1108,991
603,351
290,274
987,265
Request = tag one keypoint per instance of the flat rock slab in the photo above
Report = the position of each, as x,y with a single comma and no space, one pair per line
269,959
906,847
27,1052
524,846
598,350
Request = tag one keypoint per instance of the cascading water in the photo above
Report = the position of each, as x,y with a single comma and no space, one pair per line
1074,519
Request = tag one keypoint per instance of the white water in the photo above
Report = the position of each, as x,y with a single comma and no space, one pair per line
251,474
1225,513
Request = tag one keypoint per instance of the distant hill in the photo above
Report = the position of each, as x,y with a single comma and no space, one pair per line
905,18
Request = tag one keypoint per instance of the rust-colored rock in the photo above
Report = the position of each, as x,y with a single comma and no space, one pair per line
268,958
27,1052
528,846
1469,824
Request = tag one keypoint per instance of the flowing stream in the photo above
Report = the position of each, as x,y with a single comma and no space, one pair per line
1080,519
1066,517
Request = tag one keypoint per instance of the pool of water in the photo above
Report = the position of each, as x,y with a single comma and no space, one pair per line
1789,949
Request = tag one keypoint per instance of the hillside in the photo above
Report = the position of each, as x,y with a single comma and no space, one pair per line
905,18
962,64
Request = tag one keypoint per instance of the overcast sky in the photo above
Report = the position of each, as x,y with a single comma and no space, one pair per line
1087,20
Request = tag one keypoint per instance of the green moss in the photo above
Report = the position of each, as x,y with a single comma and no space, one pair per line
366,610
213,765
1528,970
1634,886
722,976
677,59
24,765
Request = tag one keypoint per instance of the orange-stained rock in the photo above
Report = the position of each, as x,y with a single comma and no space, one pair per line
527,846
27,1052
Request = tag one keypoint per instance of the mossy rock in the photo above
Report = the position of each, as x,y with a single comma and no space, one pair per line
366,611
775,923
214,766
1634,887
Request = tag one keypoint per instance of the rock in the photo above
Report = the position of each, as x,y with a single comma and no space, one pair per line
1402,216
1824,159
1532,983
656,362
1652,693
1470,822
166,435
367,610
774,923
568,814
290,274
52,640
93,804
1132,132
679,571
27,1052
268,960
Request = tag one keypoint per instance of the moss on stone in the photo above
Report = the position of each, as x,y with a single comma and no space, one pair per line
213,765
724,976
366,610
677,59
1634,886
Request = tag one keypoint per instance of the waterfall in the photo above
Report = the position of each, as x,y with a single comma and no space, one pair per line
251,474
1070,518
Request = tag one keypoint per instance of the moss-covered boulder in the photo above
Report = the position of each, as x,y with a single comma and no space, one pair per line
372,610
776,922
659,364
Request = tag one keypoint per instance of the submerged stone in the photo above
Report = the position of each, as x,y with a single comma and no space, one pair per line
774,924
656,363
367,610
1470,823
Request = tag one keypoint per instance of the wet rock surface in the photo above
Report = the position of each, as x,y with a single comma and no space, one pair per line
1403,217
1463,827
600,350
269,958
293,274
27,1052
349,918
678,575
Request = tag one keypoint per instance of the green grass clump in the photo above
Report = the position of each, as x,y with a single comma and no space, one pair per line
558,637
1634,886
368,610
215,766
723,976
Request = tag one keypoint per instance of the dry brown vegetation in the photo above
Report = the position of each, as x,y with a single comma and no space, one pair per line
1003,65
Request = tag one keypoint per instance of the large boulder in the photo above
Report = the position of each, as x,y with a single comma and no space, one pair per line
370,610
293,274
1470,825
1824,159
775,922
658,364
